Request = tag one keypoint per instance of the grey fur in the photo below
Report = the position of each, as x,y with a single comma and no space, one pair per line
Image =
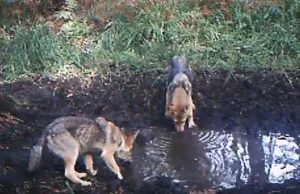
179,64
64,133
67,137
180,77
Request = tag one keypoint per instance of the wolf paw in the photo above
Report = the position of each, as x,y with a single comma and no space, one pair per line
192,124
93,172
120,176
86,183
81,174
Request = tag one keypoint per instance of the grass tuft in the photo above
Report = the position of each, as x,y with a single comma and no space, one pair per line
36,51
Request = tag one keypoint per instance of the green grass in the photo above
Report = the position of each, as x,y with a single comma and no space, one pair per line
36,51
237,38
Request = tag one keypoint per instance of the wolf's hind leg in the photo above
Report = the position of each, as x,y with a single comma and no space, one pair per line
89,164
70,172
67,148
80,174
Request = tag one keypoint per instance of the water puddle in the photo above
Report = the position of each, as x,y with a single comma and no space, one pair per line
216,159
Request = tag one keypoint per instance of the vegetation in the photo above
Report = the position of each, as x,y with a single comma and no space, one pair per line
127,36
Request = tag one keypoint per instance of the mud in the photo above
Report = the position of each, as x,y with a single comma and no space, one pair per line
247,139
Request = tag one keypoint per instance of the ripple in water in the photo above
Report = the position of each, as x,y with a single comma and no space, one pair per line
215,159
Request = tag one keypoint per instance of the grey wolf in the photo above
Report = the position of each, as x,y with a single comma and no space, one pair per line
179,104
71,136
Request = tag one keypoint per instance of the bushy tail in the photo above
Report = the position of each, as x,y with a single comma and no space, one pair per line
180,65
179,62
36,153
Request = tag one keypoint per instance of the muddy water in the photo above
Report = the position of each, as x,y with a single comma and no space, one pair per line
212,158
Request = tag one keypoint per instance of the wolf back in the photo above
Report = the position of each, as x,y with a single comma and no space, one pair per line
88,135
179,64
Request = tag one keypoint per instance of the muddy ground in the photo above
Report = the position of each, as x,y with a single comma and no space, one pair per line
135,102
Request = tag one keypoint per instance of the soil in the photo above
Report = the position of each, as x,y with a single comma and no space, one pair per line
135,102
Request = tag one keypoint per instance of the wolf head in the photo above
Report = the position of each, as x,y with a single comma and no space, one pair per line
116,139
125,150
179,108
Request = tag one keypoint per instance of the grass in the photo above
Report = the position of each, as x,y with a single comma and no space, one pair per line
241,35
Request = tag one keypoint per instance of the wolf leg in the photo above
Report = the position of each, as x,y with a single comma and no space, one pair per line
191,122
111,163
80,174
70,172
89,164
167,114
67,148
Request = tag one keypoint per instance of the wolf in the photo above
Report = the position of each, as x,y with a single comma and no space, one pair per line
179,103
71,136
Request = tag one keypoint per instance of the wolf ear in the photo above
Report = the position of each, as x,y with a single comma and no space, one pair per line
135,134
101,119
133,137
122,129
110,124
172,87
187,87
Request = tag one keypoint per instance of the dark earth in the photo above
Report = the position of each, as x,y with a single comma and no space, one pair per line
243,119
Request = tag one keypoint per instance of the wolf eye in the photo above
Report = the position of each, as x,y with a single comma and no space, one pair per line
178,122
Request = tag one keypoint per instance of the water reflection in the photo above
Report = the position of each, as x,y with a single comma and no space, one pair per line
215,159
282,160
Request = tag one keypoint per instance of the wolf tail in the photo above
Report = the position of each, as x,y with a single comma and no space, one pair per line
36,153
179,62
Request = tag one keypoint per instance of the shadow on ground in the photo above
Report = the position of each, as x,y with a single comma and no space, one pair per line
246,140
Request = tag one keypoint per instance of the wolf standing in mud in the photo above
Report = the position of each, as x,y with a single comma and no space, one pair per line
179,103
67,137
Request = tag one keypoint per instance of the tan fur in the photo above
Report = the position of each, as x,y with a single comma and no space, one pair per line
89,163
180,108
179,101
68,137
179,104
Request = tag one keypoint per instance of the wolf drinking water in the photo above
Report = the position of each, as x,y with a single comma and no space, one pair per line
179,103
68,137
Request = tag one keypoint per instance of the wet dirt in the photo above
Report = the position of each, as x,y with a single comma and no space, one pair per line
247,139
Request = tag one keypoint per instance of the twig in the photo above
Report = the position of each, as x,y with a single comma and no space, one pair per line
70,188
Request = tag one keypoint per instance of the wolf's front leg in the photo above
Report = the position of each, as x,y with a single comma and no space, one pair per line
167,113
111,163
89,164
191,122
